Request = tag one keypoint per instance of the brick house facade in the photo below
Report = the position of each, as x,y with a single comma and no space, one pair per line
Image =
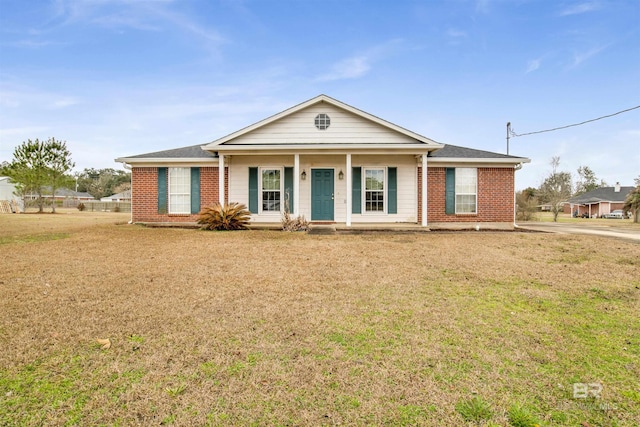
331,163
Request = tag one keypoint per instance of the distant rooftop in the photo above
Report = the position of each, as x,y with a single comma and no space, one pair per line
602,194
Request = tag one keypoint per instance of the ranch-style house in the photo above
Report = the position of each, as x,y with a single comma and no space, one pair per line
332,163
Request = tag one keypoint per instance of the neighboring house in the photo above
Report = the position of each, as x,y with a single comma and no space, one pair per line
125,196
332,163
598,202
7,188
62,194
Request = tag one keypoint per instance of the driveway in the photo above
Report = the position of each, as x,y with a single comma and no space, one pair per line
630,234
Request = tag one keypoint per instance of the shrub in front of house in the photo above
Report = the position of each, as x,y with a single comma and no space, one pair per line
298,223
231,216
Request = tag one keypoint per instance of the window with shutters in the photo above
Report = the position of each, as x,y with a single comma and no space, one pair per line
374,189
179,190
271,190
466,190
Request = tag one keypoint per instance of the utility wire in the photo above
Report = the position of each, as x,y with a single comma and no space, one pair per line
513,134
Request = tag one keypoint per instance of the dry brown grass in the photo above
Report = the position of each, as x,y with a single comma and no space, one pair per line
273,328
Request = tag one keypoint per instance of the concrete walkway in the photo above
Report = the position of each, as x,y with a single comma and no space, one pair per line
629,234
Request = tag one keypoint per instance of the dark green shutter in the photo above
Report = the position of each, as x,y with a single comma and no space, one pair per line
288,189
253,190
162,190
450,191
195,190
392,190
356,184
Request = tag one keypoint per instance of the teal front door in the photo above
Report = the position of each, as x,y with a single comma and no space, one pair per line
322,195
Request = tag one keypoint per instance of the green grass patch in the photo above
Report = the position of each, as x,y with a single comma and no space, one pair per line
474,409
33,238
522,416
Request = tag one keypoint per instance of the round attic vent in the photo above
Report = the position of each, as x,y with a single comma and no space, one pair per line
322,121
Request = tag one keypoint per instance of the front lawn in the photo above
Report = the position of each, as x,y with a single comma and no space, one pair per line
274,328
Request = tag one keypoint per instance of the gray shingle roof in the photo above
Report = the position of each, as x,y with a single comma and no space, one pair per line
196,152
454,151
602,194
191,152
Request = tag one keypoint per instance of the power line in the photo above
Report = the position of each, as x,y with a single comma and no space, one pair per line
514,134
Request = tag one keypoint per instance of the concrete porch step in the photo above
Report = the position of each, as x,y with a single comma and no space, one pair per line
326,229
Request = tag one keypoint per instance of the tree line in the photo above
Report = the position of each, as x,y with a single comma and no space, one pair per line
40,168
558,187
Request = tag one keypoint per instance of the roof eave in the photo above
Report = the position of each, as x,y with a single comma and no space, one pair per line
417,148
149,160
511,160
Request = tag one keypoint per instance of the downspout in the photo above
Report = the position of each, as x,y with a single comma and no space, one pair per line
128,167
515,168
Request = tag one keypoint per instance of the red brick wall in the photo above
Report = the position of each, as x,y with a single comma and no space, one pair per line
495,196
145,194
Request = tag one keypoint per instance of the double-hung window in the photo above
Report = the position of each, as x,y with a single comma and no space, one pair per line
466,190
271,189
179,190
374,189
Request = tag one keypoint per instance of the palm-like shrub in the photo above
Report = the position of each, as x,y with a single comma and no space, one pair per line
232,216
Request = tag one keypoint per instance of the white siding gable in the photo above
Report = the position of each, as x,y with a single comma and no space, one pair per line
299,128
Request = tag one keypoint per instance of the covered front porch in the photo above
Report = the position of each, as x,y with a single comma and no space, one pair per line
349,189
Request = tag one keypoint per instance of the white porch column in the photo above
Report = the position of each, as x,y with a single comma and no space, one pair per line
424,190
349,186
221,178
296,184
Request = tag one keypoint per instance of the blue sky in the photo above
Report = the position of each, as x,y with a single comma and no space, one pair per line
121,77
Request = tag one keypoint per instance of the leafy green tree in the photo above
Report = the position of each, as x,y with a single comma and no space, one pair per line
59,164
103,182
38,167
556,188
587,181
632,202
27,170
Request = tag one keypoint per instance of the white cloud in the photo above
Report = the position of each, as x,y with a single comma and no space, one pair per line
360,64
349,68
533,65
455,36
141,15
64,102
580,8
579,58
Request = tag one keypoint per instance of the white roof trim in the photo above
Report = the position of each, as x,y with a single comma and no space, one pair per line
215,145
417,147
513,160
156,160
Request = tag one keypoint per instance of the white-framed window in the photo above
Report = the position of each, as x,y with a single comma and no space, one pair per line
271,189
374,190
179,190
466,190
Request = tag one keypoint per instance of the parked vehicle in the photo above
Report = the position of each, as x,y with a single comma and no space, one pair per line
617,214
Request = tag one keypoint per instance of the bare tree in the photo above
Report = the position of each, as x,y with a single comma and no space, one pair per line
556,188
